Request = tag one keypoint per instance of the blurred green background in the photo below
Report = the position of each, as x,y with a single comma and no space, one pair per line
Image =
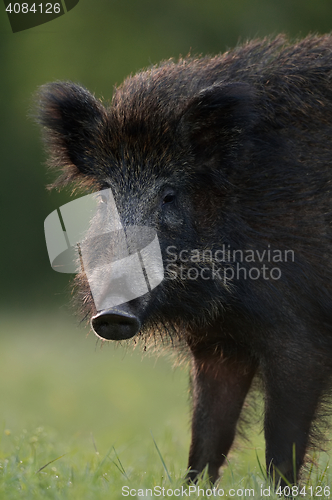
49,373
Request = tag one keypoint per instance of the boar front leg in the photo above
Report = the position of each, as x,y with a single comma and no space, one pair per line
295,378
219,388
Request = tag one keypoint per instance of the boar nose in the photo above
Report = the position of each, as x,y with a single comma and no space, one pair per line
115,324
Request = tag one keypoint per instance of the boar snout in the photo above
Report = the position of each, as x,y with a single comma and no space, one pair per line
115,324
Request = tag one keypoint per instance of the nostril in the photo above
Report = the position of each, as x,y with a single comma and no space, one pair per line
115,325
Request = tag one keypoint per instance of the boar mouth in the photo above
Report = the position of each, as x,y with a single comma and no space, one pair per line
115,324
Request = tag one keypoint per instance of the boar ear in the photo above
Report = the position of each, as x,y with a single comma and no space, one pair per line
215,119
73,121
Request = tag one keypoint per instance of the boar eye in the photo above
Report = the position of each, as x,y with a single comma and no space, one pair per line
168,198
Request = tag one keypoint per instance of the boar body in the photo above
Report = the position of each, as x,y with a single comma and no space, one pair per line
229,160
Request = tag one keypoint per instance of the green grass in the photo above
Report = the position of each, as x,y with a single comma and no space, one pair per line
81,422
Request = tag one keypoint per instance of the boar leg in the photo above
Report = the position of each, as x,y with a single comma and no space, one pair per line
293,388
219,388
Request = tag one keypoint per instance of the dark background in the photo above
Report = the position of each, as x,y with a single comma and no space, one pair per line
99,43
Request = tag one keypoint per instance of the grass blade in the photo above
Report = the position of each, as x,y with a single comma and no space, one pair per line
161,458
51,462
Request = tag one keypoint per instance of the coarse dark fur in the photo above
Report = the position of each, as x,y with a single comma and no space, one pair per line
232,150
